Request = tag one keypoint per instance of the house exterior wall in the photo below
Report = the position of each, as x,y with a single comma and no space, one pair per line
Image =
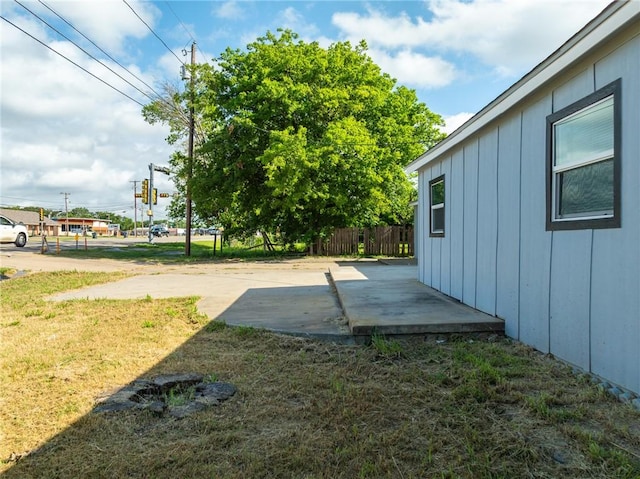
574,293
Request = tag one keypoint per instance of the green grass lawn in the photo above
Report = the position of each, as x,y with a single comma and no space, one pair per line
173,252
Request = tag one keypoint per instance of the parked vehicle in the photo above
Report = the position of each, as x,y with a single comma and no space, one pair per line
159,230
11,232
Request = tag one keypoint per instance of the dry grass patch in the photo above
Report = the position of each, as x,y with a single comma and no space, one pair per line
402,409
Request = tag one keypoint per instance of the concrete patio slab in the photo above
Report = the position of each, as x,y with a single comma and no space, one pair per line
300,299
388,299
284,301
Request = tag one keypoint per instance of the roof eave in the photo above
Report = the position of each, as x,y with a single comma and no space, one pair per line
615,16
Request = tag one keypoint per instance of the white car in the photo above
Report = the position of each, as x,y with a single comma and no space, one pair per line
11,232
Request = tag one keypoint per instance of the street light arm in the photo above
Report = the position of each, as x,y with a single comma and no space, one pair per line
162,169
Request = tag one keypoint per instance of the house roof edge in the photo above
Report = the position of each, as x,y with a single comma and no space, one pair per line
614,16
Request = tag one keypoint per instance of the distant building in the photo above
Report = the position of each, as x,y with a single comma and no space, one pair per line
31,220
83,226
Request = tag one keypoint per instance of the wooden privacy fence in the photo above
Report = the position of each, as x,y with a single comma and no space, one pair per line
377,241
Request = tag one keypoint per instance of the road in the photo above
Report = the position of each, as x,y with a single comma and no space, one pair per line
30,258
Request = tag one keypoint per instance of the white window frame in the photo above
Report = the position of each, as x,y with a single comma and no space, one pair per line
433,207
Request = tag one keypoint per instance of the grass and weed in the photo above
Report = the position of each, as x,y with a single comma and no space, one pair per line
394,408
6,272
173,252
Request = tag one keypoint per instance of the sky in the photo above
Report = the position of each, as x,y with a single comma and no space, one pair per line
66,131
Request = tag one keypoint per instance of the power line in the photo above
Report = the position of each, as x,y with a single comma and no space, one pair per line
83,50
151,30
184,27
95,45
71,61
159,97
180,21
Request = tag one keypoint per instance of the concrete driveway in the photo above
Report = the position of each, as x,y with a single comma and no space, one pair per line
315,297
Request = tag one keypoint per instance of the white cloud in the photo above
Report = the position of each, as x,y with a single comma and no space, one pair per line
414,69
292,19
229,10
379,29
507,35
453,122
110,23
63,130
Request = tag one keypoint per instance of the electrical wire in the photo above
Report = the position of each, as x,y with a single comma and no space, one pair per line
155,34
84,51
159,97
71,61
184,27
98,47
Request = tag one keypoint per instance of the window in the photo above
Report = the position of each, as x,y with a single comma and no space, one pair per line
436,203
583,163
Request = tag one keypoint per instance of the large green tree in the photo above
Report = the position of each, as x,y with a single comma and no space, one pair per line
300,139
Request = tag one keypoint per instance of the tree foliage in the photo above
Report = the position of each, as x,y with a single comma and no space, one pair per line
299,139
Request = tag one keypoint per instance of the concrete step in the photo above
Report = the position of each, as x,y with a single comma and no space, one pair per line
389,300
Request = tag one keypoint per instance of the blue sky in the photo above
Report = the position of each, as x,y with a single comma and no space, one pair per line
65,131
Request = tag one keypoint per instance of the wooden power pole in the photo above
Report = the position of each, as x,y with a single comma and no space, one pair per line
187,243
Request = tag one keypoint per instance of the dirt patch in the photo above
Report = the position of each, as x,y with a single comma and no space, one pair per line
175,395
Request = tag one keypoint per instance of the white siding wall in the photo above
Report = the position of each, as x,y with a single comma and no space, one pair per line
615,277
445,253
487,239
508,258
575,294
535,242
454,211
470,223
571,265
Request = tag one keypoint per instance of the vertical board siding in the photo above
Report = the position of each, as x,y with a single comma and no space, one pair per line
570,288
456,222
470,235
508,260
615,298
428,264
570,284
423,235
436,242
535,242
487,222
580,86
445,265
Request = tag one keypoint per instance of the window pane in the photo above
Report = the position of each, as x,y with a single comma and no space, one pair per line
437,220
586,134
588,189
437,193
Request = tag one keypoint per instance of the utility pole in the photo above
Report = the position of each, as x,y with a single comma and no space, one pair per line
135,208
187,243
66,210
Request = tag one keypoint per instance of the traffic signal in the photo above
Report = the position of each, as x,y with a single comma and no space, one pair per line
145,191
154,196
164,195
41,214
